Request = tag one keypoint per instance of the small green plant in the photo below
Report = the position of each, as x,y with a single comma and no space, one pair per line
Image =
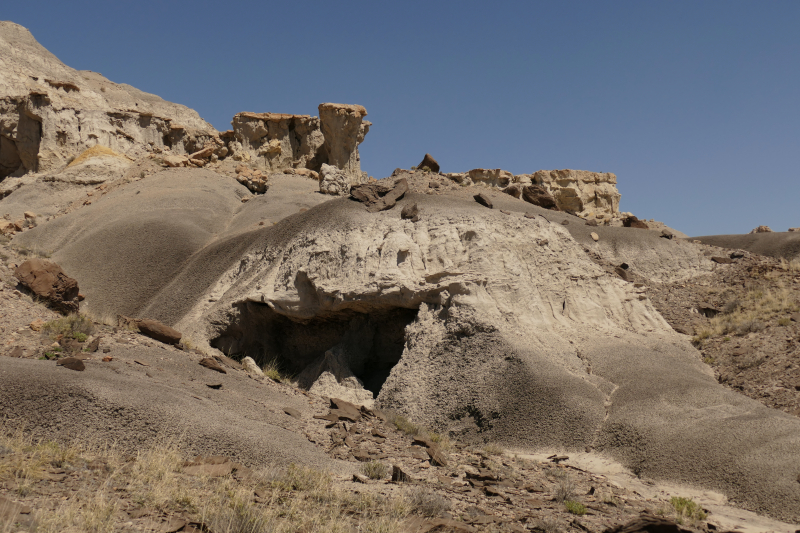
726,339
575,507
75,326
274,371
785,321
709,360
375,470
686,507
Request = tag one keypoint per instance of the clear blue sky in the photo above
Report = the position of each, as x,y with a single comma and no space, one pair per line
694,105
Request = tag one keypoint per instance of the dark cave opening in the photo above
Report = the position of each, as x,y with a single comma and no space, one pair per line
371,343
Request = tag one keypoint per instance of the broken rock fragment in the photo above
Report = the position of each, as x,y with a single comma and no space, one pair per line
73,363
633,222
484,200
409,211
46,279
538,195
212,364
379,196
158,331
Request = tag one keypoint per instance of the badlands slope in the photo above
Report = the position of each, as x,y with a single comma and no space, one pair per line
486,324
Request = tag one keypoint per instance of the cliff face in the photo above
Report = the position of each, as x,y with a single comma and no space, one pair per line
50,113
277,141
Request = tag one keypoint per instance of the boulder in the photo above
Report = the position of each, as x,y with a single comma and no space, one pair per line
250,366
46,279
158,331
538,195
484,200
175,161
667,234
430,162
333,180
410,211
761,229
515,190
794,229
344,129
379,196
254,180
633,222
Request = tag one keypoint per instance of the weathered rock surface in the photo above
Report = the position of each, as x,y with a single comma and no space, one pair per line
761,229
334,181
633,222
430,163
583,192
46,279
538,195
277,141
344,129
380,196
50,112
158,331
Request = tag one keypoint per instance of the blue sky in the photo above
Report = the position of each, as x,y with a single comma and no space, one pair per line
694,105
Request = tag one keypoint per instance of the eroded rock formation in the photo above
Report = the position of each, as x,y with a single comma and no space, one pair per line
50,112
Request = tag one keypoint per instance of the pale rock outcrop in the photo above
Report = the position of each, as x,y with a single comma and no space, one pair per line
95,165
50,112
580,191
335,181
250,366
492,177
344,129
761,229
277,141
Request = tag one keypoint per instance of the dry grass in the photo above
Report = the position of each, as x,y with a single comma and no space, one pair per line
375,470
750,314
74,326
291,499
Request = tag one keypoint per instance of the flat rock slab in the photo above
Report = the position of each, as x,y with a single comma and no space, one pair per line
73,363
212,364
158,331
484,200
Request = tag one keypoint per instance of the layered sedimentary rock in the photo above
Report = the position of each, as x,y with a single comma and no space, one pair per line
344,129
580,191
277,141
50,112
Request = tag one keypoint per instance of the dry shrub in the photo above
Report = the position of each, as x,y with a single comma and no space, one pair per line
426,503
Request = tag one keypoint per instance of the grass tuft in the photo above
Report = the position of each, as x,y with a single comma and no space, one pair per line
375,470
574,507
75,326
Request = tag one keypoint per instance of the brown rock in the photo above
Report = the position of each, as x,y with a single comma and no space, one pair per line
437,456
592,222
722,260
158,331
621,273
595,237
37,324
409,211
538,195
294,413
795,317
515,190
46,279
430,162
360,478
762,229
93,346
378,196
172,525
16,351
345,410
647,523
398,476
633,222
73,363
667,234
212,364
484,200
422,525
